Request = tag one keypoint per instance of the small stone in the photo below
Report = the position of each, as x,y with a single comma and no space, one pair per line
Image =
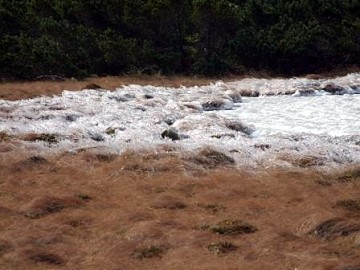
96,137
333,88
169,119
71,117
148,96
234,95
217,104
238,126
171,134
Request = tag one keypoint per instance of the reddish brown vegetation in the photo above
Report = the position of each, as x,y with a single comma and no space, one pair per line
47,205
21,90
166,211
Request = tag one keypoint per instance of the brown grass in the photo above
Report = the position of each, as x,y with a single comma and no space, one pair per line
335,227
31,89
231,227
158,211
47,205
149,252
221,248
21,90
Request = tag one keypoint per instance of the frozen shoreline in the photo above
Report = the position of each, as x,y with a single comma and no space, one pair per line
135,117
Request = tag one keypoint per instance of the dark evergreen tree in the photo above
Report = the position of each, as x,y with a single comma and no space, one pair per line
79,37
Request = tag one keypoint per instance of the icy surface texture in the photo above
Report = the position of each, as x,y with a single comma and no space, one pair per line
290,119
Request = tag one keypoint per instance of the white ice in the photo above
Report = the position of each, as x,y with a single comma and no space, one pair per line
305,121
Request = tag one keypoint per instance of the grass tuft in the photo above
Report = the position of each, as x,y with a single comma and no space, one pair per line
5,247
4,136
221,248
349,205
210,159
149,252
47,258
48,205
335,227
231,227
212,208
84,197
349,175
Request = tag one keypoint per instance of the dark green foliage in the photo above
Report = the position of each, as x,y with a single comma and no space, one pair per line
212,37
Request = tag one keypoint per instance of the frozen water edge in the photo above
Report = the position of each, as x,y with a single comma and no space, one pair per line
134,117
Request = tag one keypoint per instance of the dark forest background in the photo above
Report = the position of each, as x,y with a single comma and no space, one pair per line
210,37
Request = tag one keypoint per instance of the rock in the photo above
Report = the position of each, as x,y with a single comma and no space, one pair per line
148,96
169,119
119,98
304,93
129,96
234,95
249,93
173,105
110,131
333,88
71,117
141,108
195,106
96,137
217,104
153,102
238,126
223,135
171,134
262,147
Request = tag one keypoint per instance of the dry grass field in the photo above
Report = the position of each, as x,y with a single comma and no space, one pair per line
166,210
30,89
22,90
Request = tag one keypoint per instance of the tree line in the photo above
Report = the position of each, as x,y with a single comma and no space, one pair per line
77,38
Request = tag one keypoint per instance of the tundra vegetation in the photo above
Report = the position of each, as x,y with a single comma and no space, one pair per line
77,38
163,210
